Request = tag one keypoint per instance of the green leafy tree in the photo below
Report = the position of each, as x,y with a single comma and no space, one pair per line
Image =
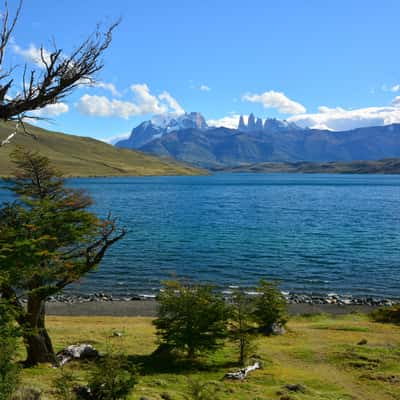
191,318
270,307
241,330
9,371
48,240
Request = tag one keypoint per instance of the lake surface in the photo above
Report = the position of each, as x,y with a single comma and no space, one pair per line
315,233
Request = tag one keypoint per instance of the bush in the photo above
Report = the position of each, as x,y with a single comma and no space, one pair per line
65,385
9,370
112,379
202,390
387,314
191,318
270,307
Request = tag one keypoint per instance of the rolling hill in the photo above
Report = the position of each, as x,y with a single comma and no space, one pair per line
82,156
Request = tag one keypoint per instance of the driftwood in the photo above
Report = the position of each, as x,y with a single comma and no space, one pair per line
242,373
78,351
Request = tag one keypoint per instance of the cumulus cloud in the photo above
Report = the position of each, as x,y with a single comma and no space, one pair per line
204,88
108,86
229,121
33,54
395,88
340,119
276,100
52,110
172,103
101,106
144,103
396,101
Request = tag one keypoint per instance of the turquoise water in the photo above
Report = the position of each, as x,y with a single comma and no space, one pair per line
315,233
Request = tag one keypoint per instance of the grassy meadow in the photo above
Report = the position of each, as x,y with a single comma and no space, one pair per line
83,156
322,353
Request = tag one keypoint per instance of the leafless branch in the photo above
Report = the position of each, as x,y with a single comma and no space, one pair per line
61,73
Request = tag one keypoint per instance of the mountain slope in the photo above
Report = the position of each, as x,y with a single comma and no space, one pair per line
218,147
82,156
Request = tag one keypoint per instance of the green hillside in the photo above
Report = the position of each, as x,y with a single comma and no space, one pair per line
82,156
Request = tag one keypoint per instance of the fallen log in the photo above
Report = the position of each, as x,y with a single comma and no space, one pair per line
79,351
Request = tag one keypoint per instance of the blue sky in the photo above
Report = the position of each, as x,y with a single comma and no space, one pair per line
324,64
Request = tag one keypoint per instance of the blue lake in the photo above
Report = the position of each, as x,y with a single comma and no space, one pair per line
315,233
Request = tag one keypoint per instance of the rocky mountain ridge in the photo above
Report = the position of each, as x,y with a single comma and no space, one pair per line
189,139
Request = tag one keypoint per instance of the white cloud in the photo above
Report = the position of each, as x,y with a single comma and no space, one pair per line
172,103
147,103
396,101
340,119
101,106
144,103
108,86
395,88
33,54
276,100
204,88
229,121
52,110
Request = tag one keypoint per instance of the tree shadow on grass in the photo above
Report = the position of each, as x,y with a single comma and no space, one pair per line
174,364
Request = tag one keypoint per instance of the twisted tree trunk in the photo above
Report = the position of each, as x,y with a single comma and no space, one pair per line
38,343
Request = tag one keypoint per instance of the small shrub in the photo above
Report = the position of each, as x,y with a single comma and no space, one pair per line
202,390
387,314
65,385
270,307
112,379
191,318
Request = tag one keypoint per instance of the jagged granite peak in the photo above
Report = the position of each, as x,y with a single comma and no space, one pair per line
251,123
159,125
242,126
276,125
259,124
184,121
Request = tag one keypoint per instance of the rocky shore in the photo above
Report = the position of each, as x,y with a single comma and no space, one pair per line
292,298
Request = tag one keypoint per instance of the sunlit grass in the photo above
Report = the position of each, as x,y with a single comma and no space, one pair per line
319,352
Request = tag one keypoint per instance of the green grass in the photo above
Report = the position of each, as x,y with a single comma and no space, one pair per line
318,352
83,156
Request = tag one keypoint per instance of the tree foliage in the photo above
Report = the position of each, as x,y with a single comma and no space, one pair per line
9,371
241,327
270,307
48,240
191,317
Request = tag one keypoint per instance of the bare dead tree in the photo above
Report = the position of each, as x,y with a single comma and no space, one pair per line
59,75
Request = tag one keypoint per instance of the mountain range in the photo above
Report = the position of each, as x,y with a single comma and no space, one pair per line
188,138
82,156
